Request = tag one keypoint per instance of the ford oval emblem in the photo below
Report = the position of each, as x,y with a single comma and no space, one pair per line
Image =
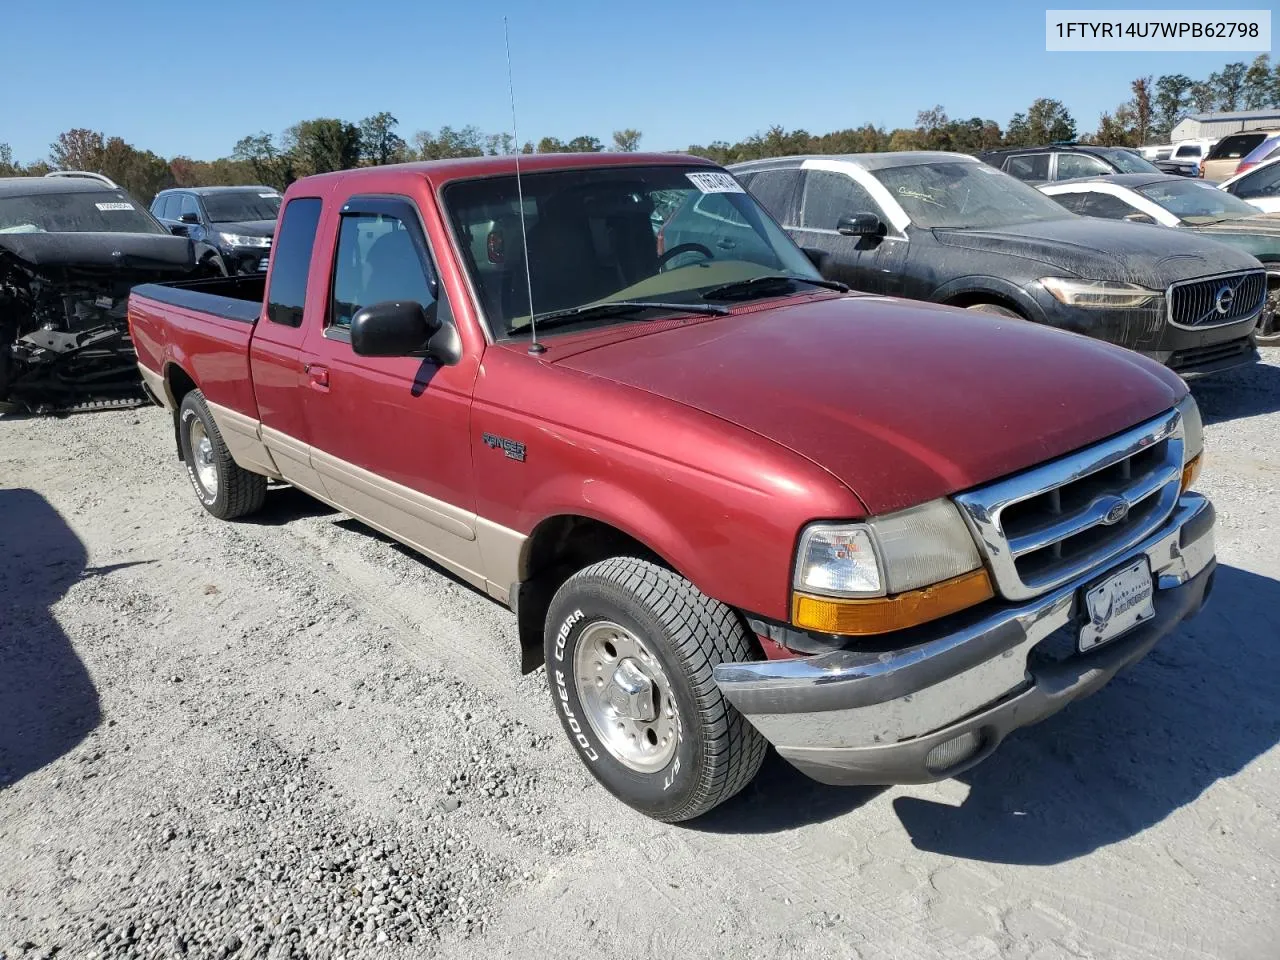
1118,510
1222,302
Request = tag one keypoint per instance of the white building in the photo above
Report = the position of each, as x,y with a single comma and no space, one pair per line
1215,126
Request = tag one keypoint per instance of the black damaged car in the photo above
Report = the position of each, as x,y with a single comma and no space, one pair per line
71,248
950,229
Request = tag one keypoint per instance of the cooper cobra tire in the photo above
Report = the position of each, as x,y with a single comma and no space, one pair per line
223,487
994,308
676,748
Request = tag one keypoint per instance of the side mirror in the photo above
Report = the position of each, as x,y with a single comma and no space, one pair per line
393,328
817,257
1139,218
179,229
860,225
189,218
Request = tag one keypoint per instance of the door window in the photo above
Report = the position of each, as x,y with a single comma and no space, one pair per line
1106,206
1075,202
1081,165
188,204
828,196
377,260
291,261
1264,182
1028,166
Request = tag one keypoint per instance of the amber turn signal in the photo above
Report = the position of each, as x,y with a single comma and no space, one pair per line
1191,472
886,614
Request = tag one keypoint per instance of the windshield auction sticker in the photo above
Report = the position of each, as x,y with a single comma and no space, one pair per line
1124,30
114,206
715,183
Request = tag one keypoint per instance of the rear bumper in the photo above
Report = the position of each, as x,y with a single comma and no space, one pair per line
858,718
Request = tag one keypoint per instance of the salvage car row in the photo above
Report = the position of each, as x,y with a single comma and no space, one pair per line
731,502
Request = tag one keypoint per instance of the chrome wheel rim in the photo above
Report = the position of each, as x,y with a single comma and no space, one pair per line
202,453
626,697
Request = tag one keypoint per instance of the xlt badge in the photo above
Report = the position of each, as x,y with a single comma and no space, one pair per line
513,449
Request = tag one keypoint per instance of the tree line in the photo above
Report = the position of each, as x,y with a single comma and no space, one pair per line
325,144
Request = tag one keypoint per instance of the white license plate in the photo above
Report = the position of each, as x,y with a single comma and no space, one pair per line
1117,604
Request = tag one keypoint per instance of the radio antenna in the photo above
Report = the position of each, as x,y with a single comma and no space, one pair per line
534,346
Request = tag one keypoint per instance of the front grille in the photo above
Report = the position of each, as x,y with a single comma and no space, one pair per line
1055,522
1217,300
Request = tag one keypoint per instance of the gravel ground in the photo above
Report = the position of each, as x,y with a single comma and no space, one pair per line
293,738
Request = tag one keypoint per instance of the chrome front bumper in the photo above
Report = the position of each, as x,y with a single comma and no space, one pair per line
854,717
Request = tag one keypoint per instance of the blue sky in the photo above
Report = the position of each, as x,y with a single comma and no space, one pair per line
192,78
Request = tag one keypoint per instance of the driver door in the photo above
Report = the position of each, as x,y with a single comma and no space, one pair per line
867,264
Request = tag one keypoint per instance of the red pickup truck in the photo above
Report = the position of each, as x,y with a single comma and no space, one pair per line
730,502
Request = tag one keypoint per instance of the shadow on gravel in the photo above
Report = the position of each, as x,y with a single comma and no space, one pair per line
47,701
1247,392
286,504
782,798
1198,708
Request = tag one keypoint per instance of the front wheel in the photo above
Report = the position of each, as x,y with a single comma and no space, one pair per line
630,650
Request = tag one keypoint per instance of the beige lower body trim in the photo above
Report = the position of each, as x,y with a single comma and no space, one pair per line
243,440
293,458
155,383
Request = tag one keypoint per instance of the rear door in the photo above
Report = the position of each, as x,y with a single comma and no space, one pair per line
869,264
390,434
275,352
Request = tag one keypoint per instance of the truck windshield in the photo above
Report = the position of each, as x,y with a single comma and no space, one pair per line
1126,161
655,234
1194,201
242,205
92,211
964,193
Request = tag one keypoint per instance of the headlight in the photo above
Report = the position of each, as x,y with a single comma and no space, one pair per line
1100,294
237,240
1192,440
886,555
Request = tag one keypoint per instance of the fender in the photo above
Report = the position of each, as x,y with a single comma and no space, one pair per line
603,500
1002,288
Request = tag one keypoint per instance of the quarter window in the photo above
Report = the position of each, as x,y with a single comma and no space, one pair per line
295,239
776,191
828,196
377,260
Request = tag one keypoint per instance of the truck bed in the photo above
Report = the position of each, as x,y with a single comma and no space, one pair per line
231,298
202,327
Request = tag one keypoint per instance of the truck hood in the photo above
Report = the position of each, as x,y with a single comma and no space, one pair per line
1104,250
99,251
901,401
1258,235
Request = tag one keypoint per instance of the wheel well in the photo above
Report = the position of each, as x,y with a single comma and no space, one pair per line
179,384
559,547
969,298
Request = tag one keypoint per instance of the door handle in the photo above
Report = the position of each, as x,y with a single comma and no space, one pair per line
317,376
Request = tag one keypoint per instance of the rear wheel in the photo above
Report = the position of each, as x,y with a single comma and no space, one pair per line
630,650
995,308
223,487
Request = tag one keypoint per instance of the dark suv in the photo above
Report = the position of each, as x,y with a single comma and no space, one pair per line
1066,161
239,221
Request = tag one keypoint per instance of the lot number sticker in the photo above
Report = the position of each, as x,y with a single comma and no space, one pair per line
114,206
715,183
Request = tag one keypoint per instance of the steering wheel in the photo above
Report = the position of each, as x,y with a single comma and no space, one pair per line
680,248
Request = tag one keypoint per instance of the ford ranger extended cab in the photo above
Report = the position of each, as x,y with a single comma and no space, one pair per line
730,503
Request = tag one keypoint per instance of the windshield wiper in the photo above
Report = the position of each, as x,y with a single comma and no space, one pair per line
766,286
616,308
